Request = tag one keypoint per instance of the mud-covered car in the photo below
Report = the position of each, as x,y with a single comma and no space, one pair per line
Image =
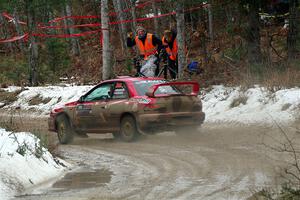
128,107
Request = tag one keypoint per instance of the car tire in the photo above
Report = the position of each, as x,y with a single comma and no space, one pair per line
64,130
128,130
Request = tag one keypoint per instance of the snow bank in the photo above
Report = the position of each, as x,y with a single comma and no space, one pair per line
24,163
54,96
254,105
221,104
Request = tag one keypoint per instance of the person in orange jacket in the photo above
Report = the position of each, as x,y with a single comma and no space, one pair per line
170,44
147,43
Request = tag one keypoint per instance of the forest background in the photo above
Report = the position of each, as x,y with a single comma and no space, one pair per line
84,41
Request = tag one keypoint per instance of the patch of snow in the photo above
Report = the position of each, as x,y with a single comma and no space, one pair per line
261,105
24,163
57,96
261,180
12,89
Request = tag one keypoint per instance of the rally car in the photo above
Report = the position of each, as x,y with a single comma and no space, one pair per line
128,107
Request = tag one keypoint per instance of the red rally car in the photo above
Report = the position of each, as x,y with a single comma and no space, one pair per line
128,107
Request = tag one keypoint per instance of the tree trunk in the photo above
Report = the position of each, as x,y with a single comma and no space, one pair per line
33,48
180,38
106,69
156,23
4,33
210,23
253,33
75,48
134,24
203,35
122,27
293,30
18,29
63,13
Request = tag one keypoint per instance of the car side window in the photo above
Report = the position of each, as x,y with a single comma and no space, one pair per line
120,91
100,93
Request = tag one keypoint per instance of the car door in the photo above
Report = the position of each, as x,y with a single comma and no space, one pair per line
117,105
90,112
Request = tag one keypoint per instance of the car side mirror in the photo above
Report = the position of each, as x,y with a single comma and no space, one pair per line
81,99
109,93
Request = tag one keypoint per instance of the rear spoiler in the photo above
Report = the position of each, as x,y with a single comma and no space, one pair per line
153,88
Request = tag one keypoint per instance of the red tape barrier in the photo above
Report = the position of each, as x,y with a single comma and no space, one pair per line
13,39
74,17
89,25
96,16
72,26
117,22
66,35
6,15
142,5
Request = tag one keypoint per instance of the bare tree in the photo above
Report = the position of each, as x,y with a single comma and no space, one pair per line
118,6
33,48
210,22
132,6
4,33
74,41
18,29
156,23
180,37
293,29
288,146
106,54
253,33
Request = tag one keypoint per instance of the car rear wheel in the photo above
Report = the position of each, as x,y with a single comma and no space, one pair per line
64,130
128,132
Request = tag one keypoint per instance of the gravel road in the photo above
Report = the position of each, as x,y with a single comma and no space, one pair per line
218,161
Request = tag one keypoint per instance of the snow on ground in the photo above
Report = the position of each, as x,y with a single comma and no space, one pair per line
230,104
55,95
254,105
24,163
221,104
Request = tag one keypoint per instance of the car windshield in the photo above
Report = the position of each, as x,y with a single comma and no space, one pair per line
143,86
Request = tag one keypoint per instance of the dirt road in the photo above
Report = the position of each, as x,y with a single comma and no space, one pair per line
216,162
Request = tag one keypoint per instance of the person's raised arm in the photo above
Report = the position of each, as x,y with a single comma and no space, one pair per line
158,42
130,40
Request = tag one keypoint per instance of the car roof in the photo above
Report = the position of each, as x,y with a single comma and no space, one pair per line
131,79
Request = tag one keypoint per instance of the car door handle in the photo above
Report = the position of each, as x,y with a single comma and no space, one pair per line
103,107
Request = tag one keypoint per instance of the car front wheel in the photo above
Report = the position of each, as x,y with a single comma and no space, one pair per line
64,130
128,131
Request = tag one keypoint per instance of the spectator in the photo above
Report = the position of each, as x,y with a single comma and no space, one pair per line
147,43
170,44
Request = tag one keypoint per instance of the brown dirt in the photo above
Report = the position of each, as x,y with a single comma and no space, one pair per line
39,100
8,97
